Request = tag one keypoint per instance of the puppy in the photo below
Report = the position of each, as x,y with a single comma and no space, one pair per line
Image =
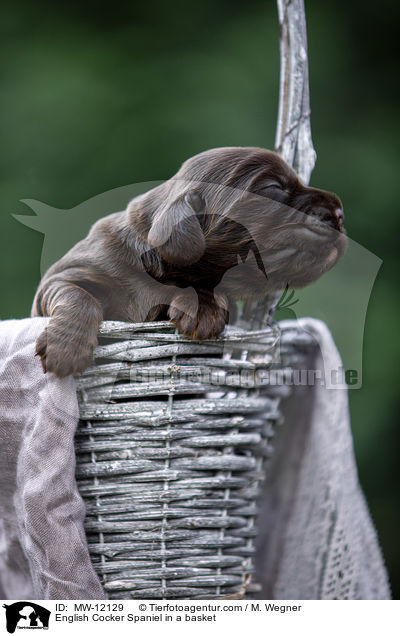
232,223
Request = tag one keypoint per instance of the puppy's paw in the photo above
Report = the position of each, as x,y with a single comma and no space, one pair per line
204,322
64,353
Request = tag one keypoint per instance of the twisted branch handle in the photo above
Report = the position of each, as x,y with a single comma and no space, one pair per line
293,133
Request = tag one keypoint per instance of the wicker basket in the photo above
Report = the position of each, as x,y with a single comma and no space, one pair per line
171,452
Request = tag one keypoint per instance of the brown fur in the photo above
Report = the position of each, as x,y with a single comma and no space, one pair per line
232,223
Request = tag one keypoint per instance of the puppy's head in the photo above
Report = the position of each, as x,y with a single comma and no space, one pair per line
230,201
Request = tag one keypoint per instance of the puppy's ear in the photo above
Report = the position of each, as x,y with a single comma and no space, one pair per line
176,231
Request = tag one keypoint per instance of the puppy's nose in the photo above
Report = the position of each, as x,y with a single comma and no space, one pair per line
334,218
339,217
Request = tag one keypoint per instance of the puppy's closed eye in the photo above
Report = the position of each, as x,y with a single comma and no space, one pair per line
274,190
273,184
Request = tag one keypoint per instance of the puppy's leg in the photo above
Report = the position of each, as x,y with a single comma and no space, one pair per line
204,322
66,345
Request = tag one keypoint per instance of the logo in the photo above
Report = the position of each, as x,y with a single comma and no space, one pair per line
348,285
26,615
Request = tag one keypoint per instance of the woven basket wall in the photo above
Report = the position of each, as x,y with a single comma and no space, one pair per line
171,452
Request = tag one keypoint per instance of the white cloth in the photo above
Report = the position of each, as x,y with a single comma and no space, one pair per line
43,549
316,537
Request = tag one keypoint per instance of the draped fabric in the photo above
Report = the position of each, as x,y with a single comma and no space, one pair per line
316,538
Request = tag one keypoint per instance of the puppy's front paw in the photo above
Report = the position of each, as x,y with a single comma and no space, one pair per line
204,322
64,353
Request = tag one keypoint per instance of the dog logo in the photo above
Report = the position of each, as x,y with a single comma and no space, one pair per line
26,615
349,284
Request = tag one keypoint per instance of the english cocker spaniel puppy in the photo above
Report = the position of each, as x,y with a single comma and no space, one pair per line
232,223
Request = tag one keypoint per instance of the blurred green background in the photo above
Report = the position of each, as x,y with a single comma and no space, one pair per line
96,96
